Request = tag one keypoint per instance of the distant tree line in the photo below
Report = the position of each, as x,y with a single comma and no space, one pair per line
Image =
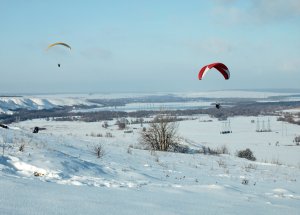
290,118
144,99
65,113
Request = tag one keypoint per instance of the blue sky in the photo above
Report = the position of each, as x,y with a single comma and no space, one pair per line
148,46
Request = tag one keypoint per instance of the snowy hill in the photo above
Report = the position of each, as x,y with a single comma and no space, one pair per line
8,104
58,172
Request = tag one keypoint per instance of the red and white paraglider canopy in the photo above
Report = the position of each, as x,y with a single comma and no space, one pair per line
218,66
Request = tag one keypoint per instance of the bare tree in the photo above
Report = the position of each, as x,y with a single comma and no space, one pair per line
105,124
161,134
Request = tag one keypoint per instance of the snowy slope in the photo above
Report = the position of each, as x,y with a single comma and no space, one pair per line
7,104
129,180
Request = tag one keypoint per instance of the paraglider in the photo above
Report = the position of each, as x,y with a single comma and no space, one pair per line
218,66
222,68
59,44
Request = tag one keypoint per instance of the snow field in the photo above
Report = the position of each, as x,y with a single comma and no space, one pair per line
129,180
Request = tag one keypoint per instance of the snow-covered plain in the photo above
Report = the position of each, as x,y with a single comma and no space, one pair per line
58,172
129,180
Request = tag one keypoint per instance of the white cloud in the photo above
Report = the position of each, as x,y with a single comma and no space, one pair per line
276,9
255,11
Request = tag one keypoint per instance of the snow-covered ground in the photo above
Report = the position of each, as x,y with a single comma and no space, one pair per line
70,179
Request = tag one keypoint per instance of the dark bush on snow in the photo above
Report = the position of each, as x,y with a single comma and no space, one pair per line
180,149
247,153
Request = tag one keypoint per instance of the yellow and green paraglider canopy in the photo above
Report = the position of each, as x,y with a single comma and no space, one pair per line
59,43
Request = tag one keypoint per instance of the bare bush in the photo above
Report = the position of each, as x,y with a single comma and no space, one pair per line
247,153
217,151
245,181
121,125
250,167
212,151
161,134
220,150
276,161
98,150
222,163
22,147
181,149
105,124
95,135
108,134
129,150
297,140
224,149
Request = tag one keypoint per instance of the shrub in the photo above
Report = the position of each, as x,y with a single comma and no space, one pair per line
129,150
108,134
297,140
22,147
105,125
222,150
121,125
249,167
218,151
98,150
222,163
247,153
245,181
180,148
161,134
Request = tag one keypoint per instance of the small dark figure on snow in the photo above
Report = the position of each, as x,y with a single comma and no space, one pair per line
3,126
36,130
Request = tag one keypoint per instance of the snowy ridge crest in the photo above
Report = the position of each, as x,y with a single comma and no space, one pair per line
8,104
